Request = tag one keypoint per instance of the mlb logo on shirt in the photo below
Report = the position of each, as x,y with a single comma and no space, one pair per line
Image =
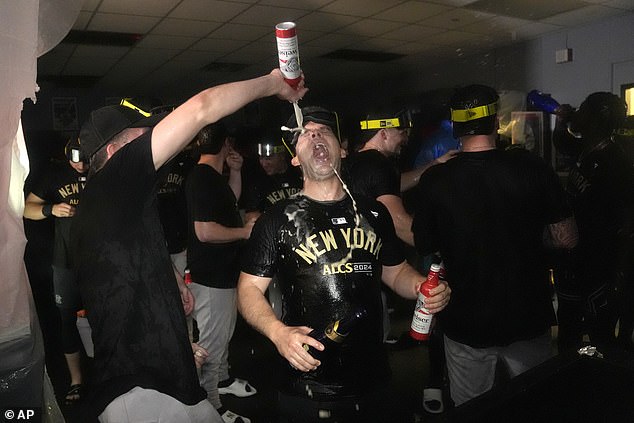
339,220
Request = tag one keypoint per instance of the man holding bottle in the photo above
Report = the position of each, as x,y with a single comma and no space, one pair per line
493,212
330,252
144,366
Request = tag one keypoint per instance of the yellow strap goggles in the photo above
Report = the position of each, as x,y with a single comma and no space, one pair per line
267,150
383,123
126,103
465,115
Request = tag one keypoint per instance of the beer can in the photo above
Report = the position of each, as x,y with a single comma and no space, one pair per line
288,52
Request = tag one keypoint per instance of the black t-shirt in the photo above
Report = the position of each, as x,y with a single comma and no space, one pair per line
266,190
600,186
172,203
61,184
370,174
326,267
128,285
210,199
486,212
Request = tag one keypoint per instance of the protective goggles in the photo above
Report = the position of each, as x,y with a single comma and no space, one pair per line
466,115
72,151
403,120
74,155
127,102
269,149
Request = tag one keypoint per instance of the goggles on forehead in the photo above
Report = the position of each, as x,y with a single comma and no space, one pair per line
269,149
72,151
128,102
466,115
401,120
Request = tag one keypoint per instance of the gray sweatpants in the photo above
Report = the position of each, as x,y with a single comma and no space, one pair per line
215,312
471,371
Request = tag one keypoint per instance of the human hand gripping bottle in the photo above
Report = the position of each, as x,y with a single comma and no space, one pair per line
420,328
335,332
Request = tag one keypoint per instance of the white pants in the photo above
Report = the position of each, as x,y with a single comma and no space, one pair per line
140,405
471,371
215,312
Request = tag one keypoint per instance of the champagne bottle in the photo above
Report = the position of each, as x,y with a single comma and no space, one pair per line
335,332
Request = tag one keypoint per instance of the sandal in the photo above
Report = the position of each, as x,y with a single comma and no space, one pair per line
73,395
231,417
432,400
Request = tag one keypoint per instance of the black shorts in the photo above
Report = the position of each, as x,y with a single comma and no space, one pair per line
66,288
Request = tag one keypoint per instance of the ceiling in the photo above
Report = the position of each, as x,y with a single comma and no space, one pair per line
173,48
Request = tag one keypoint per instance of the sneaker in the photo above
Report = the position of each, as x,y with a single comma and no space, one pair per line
239,387
231,417
391,340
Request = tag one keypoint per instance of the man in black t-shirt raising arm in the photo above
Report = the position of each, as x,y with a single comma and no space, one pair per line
330,254
144,363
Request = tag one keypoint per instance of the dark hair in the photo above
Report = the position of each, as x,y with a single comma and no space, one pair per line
211,138
471,97
600,113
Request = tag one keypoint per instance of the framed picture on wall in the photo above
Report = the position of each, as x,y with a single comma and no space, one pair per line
65,114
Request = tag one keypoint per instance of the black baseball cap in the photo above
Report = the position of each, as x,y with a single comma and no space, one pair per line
313,114
104,123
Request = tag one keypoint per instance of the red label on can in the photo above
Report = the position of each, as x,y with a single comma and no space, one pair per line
288,52
285,30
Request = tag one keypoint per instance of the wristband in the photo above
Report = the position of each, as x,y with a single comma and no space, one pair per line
47,210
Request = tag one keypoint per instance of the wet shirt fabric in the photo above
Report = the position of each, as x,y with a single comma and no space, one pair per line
61,184
172,203
210,199
326,268
370,174
128,285
600,186
486,212
266,190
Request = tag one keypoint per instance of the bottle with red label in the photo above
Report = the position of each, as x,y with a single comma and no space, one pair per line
422,319
187,278
288,52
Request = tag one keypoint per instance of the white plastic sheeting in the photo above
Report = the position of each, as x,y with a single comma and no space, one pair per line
18,43
21,42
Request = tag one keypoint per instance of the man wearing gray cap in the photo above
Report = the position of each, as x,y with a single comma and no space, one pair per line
144,367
